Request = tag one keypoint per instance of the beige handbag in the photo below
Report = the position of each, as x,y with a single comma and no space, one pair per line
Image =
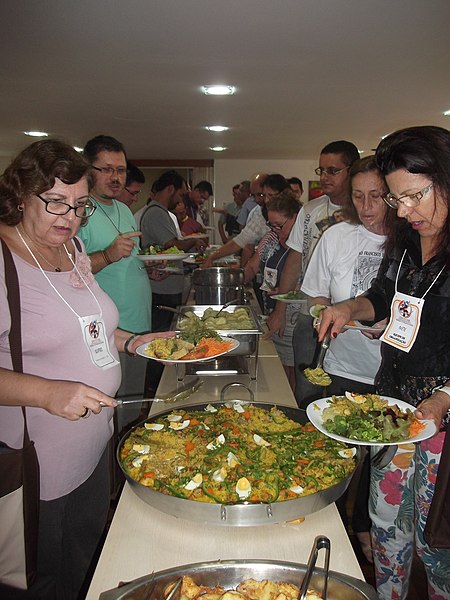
19,472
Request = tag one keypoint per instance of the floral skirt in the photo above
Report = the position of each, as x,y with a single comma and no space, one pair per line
400,497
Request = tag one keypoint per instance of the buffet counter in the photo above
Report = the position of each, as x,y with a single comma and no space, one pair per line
142,539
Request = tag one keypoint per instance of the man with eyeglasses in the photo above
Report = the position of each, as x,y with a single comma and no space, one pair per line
112,243
314,218
133,185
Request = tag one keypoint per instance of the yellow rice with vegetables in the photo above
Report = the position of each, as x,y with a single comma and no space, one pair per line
234,453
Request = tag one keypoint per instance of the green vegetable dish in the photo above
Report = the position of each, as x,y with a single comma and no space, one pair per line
234,452
152,250
369,418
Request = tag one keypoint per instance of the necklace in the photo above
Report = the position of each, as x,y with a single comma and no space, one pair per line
116,227
57,269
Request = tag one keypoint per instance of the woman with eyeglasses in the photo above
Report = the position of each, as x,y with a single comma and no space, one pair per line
268,260
71,368
412,290
343,265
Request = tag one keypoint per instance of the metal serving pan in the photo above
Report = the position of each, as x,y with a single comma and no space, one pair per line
242,514
230,573
248,338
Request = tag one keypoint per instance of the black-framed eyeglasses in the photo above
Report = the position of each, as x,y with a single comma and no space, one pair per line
135,193
55,207
409,200
277,227
333,171
121,171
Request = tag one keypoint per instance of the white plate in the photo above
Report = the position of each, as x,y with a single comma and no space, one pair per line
288,300
316,408
161,256
140,351
356,325
191,261
193,236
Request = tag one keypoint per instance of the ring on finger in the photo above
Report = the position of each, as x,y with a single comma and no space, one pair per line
86,413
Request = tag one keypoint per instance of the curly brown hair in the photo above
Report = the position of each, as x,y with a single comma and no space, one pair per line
285,202
34,171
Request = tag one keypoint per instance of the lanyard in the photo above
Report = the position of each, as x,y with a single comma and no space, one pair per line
51,284
431,285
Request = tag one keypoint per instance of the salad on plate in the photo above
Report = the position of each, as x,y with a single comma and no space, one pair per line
368,419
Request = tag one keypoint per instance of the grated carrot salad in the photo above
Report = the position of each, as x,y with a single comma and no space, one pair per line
207,347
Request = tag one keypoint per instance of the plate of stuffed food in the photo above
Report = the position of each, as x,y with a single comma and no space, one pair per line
173,350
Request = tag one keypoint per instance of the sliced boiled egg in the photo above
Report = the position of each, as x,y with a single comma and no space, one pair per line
174,418
195,482
356,398
154,426
178,426
243,488
219,441
137,462
297,489
141,448
259,440
232,460
347,452
210,408
220,474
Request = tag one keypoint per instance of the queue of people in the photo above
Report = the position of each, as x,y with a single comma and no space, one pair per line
374,248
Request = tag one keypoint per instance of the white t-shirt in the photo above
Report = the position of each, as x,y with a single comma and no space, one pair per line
343,265
313,219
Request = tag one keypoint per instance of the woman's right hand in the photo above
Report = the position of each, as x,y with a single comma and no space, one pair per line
335,316
70,399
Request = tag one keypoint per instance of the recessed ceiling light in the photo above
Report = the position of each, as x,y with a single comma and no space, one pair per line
36,133
218,90
78,149
217,128
217,148
446,113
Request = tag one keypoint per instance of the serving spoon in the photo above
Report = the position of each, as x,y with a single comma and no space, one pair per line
226,305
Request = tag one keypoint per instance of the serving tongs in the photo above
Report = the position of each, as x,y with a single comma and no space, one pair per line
320,542
167,399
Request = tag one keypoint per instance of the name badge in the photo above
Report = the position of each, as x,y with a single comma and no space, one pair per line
270,279
403,327
96,340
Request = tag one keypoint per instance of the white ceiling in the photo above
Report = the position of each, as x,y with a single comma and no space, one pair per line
306,71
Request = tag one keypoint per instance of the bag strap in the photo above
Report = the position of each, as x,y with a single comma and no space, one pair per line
15,332
12,286
76,241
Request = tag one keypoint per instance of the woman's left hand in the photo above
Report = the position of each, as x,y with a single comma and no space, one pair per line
435,407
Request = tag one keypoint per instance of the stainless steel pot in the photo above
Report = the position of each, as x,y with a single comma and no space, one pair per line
217,285
242,514
230,573
248,338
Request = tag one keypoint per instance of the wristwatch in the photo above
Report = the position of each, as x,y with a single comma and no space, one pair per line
442,388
